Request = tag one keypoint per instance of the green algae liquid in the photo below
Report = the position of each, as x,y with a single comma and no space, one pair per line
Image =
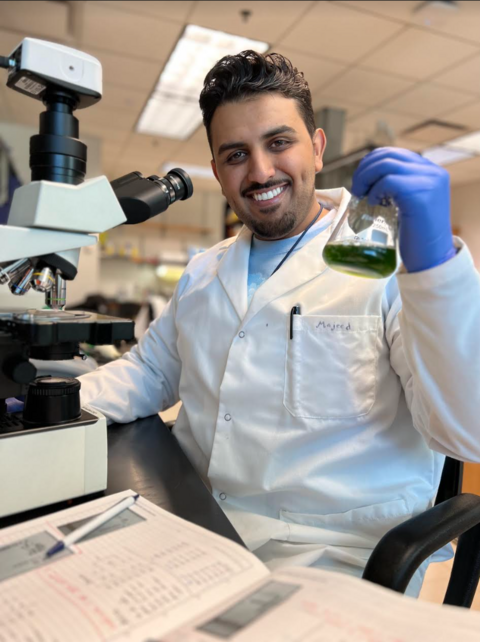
369,260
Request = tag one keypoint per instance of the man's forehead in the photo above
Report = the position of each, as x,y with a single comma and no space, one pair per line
253,118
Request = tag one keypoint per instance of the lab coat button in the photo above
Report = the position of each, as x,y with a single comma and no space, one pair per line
227,417
241,334
222,496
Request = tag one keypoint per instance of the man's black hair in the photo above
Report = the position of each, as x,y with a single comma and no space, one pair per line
250,74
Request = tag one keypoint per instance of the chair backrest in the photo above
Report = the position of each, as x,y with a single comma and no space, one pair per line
455,515
451,481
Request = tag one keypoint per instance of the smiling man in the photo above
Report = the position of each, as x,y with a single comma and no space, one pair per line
317,406
267,168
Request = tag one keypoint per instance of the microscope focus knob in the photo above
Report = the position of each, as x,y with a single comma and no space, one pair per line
52,400
20,370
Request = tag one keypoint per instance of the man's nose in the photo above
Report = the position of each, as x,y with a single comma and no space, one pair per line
260,168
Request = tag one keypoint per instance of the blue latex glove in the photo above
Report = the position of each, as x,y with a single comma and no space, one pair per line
14,404
421,190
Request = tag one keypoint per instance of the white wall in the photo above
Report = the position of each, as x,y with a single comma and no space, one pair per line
466,216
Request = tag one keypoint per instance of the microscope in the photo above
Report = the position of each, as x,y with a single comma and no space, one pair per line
56,450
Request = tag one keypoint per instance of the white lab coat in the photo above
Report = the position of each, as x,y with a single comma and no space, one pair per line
329,439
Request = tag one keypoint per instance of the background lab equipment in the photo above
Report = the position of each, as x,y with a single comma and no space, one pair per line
57,450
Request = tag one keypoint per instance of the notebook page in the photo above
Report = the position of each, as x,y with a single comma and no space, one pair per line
312,605
148,576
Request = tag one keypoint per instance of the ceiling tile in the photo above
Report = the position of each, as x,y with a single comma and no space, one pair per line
463,23
98,120
199,137
465,76
23,110
468,116
368,121
137,35
379,128
196,150
149,150
123,99
9,40
321,100
267,22
366,87
413,145
316,70
395,9
44,19
190,154
111,149
352,140
108,169
428,101
417,54
339,32
177,11
433,132
459,19
145,166
124,71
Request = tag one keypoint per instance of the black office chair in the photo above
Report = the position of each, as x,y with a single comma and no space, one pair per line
401,551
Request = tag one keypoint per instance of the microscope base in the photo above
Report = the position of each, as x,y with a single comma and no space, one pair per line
45,465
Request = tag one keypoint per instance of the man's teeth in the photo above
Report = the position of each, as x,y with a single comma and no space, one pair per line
268,195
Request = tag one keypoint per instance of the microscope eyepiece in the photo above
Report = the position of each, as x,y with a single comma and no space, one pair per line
179,181
141,198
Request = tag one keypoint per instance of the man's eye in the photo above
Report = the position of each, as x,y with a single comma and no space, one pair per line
236,156
279,143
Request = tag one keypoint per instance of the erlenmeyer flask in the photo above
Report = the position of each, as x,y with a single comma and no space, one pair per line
364,243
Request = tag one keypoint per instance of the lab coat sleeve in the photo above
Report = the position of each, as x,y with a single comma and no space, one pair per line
144,381
433,329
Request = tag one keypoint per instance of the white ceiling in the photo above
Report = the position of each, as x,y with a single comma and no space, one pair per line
377,60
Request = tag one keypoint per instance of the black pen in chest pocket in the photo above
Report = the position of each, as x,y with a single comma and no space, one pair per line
295,310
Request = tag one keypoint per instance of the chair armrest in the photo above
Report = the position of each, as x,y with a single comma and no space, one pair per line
401,551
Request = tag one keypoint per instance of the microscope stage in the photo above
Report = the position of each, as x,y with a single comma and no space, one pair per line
51,327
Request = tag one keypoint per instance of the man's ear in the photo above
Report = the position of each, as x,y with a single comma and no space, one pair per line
214,170
319,145
215,173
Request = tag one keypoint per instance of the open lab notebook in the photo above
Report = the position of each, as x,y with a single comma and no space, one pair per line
150,576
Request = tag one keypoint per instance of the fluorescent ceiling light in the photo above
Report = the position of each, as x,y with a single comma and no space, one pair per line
194,171
172,110
445,155
469,142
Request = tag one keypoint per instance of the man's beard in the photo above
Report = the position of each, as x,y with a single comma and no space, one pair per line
270,228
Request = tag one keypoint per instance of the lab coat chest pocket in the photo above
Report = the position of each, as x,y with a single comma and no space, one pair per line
330,370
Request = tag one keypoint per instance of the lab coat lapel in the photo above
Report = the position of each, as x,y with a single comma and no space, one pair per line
305,264
233,271
300,268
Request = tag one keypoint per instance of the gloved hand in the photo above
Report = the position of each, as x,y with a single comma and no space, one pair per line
421,190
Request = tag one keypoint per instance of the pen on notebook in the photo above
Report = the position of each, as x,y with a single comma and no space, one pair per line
92,525
294,310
